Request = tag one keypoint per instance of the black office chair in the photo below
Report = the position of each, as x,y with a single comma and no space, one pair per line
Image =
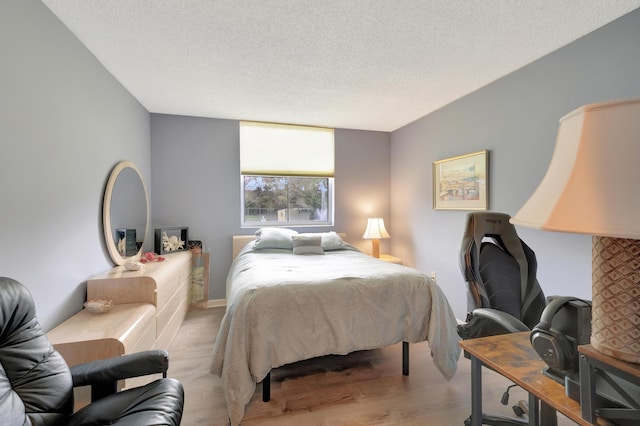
36,385
504,295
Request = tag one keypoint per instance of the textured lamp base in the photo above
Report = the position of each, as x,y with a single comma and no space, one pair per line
615,323
375,247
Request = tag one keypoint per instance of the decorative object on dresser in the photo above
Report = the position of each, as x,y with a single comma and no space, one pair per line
375,231
98,306
591,187
132,265
151,257
171,240
125,213
201,262
195,246
461,183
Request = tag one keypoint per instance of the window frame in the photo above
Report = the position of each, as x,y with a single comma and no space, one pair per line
288,223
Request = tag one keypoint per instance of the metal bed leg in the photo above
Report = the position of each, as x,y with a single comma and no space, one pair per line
266,388
266,382
405,358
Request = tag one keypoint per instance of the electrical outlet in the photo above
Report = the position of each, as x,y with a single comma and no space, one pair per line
433,276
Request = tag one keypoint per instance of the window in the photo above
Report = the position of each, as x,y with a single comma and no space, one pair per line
287,174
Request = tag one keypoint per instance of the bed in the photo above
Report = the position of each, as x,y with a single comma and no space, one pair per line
283,307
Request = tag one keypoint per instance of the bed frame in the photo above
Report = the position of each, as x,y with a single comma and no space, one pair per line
239,241
266,383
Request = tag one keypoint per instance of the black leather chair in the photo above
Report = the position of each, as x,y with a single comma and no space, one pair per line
504,295
36,385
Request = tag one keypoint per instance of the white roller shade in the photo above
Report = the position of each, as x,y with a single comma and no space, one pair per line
268,149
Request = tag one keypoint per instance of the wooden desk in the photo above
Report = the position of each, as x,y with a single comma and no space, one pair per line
512,356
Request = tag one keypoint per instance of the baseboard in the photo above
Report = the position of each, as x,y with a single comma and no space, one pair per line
216,303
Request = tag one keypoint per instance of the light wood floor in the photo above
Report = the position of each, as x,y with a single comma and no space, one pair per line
365,388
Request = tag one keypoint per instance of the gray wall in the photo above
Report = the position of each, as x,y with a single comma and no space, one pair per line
516,119
64,123
196,180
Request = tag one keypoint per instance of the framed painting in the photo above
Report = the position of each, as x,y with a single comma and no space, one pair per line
462,182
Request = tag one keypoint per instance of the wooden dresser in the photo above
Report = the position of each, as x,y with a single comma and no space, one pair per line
165,285
149,307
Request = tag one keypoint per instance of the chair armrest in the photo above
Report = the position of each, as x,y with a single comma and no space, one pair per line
121,367
489,322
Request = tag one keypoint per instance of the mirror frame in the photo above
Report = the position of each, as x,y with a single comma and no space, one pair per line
116,257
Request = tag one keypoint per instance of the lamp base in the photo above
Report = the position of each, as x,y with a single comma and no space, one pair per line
615,317
375,247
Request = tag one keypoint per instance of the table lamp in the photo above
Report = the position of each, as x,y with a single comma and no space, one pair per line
592,186
375,230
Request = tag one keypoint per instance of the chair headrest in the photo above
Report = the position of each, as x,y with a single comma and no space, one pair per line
496,226
16,306
36,383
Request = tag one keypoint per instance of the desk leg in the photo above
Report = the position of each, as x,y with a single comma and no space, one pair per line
534,410
476,392
587,389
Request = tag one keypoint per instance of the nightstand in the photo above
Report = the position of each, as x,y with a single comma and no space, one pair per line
391,259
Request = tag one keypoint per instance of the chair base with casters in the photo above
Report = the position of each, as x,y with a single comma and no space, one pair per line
548,417
498,421
36,385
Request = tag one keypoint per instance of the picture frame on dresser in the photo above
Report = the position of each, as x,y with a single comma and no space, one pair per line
171,240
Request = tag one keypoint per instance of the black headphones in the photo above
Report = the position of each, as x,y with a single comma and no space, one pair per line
554,347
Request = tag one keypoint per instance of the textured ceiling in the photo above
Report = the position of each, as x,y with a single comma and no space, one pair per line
359,64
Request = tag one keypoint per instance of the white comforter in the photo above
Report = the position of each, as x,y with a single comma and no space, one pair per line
283,308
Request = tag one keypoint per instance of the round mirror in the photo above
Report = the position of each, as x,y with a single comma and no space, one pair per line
125,212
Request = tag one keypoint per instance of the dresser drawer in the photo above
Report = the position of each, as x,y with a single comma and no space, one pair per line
85,337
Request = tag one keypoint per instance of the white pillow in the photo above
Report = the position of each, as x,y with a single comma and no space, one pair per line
274,238
307,244
330,240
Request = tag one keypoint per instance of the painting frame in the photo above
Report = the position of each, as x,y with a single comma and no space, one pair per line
462,182
180,236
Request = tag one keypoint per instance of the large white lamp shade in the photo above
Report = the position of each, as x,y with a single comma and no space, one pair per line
592,187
